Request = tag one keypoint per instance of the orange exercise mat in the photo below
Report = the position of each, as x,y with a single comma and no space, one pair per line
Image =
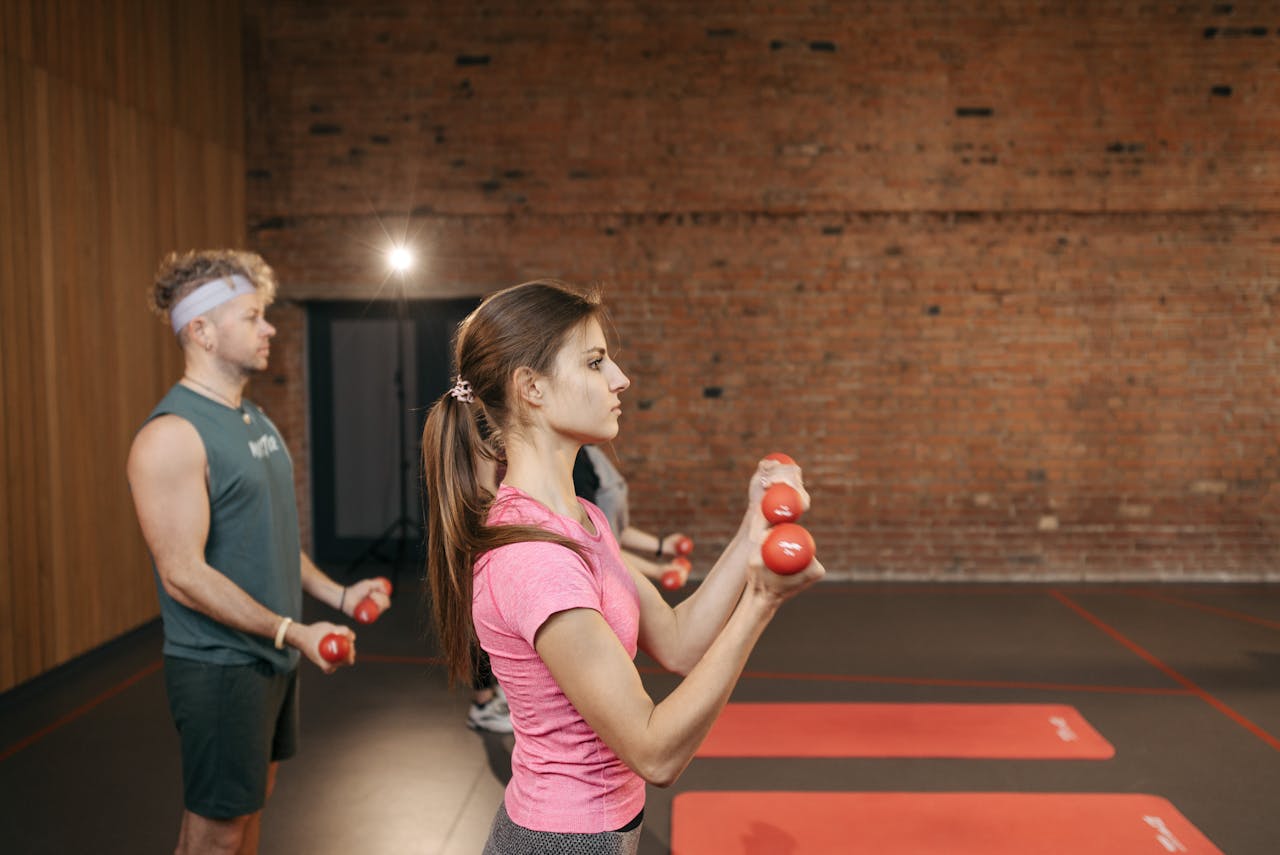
996,731
821,823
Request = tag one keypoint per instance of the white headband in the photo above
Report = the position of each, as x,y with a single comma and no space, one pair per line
208,296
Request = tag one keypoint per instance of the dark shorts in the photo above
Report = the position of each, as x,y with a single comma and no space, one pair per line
233,720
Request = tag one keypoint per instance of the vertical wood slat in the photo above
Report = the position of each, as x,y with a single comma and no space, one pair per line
7,274
15,31
52,629
12,212
25,443
116,157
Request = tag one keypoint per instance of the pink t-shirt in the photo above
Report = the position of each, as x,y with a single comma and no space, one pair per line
563,777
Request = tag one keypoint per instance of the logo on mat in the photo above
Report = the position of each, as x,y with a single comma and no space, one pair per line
1164,836
1065,733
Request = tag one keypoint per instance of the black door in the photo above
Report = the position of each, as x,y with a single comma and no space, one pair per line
375,368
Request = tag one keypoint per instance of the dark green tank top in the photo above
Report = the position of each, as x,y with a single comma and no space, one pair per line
253,531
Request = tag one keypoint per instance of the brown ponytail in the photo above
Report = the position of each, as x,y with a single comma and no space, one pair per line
523,326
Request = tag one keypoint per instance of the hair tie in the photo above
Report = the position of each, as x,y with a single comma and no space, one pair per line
462,391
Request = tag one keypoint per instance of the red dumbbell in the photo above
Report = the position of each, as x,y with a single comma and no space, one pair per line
674,579
335,647
787,549
684,545
781,458
368,610
781,504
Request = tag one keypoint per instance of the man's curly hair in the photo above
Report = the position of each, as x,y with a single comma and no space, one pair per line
182,273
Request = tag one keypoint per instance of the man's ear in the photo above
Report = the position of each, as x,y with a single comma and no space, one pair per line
527,385
201,332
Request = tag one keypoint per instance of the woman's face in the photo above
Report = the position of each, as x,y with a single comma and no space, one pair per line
582,396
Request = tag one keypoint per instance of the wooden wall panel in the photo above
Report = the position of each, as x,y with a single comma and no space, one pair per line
123,141
26,442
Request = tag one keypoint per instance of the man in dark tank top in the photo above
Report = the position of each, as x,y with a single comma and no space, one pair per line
212,483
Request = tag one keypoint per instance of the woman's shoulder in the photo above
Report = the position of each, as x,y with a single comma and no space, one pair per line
515,507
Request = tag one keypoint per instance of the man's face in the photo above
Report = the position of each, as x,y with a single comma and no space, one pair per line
243,336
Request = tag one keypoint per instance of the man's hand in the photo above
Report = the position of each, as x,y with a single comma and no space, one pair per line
307,637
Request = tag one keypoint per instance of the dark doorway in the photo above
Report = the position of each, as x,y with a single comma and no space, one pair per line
355,406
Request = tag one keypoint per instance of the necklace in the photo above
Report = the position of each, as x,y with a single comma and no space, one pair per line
240,409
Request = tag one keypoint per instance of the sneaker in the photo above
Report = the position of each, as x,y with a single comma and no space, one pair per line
493,716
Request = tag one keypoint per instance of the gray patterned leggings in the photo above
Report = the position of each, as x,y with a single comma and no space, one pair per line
507,838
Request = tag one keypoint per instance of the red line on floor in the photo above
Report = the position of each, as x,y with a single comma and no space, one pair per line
1216,610
1178,678
78,712
936,681
1014,589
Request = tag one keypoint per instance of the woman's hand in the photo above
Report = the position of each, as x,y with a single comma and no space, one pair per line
775,587
770,472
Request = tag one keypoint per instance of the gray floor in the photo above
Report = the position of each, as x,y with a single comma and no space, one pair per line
1184,682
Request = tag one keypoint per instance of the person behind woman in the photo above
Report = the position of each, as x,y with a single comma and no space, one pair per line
534,573
597,480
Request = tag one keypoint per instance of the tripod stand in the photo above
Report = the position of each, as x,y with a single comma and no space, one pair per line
395,534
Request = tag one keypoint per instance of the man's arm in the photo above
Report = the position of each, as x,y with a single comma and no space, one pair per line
648,544
166,469
643,566
342,598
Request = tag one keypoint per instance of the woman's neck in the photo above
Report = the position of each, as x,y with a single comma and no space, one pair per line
546,474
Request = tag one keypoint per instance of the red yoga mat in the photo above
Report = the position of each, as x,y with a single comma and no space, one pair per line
790,823
995,731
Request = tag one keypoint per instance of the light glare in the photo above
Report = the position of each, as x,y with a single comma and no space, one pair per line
400,259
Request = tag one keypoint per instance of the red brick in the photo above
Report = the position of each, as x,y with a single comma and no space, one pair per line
1065,307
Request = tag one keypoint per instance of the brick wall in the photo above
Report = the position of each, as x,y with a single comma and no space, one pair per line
1001,276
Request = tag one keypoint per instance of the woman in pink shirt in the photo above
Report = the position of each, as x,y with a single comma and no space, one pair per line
535,575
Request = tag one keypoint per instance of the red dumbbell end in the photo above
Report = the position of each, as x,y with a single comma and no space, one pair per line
781,458
674,579
366,611
781,504
787,549
684,545
335,647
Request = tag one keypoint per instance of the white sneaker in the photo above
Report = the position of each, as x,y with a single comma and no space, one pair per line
493,716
